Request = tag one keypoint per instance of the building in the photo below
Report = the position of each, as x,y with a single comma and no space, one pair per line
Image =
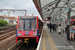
10,20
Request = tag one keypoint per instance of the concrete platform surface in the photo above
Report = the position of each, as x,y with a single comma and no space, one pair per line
55,41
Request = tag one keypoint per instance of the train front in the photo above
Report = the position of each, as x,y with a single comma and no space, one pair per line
27,29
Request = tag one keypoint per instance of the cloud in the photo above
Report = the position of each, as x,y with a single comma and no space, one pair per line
19,4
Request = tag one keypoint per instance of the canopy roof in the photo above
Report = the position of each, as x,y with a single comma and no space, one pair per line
52,8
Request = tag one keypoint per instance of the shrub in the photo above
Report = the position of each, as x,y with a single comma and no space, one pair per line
3,23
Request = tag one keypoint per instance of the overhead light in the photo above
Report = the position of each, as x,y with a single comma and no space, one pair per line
48,9
66,3
53,7
49,5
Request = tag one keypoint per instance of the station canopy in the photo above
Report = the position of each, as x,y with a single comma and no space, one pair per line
52,8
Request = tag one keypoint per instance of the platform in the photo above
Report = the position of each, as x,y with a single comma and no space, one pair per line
55,41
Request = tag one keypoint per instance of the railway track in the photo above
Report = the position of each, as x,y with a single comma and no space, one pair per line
4,36
6,31
30,46
24,46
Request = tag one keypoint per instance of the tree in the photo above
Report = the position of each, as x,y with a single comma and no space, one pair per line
3,23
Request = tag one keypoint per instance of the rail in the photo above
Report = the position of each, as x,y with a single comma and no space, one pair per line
4,36
15,45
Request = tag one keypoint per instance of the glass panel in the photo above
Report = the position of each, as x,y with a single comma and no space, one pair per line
27,25
33,25
21,25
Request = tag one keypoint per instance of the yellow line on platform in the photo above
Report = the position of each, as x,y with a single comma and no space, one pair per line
44,40
52,44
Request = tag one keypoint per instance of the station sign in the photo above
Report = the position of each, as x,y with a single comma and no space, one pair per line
67,9
63,19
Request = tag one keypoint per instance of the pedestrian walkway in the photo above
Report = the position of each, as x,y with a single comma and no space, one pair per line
55,41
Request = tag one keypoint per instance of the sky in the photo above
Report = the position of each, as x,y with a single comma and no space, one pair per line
18,4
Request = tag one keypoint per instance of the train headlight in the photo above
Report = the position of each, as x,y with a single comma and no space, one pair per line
19,34
34,34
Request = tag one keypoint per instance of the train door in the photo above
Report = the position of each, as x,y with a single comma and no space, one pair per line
30,25
33,25
27,25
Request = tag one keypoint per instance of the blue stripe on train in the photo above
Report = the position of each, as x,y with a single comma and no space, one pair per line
37,33
16,32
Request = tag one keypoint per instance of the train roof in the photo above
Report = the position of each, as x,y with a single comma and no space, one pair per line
27,16
31,16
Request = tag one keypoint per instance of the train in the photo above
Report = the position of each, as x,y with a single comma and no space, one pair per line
28,28
72,19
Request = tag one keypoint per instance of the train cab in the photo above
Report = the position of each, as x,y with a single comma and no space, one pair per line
27,28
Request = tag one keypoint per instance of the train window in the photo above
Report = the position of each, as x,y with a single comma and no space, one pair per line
20,26
39,24
27,25
33,25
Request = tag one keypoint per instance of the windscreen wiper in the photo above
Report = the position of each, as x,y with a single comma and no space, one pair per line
19,28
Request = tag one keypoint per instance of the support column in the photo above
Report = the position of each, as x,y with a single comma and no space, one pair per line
25,12
54,24
9,12
68,19
68,23
59,17
51,21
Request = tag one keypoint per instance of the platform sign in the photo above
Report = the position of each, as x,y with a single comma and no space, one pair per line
67,9
63,19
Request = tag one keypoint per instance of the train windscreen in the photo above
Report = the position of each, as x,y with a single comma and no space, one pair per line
27,24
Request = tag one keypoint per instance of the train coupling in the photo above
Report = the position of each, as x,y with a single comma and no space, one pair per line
26,40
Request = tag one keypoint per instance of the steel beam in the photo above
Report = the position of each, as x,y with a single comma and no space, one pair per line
55,7
63,16
9,11
54,2
58,14
73,10
51,9
38,6
40,9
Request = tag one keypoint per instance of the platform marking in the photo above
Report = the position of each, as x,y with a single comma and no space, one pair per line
52,44
64,41
44,40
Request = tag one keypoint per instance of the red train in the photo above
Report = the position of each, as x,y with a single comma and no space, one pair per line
71,20
28,28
